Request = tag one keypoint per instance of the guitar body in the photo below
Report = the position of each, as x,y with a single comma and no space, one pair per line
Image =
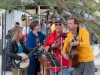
22,65
73,58
45,67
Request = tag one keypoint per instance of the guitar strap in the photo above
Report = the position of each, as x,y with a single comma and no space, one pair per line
58,40
75,38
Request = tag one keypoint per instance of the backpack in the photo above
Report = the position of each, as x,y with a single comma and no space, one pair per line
9,34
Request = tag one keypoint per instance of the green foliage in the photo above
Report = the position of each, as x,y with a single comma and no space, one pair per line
11,4
76,7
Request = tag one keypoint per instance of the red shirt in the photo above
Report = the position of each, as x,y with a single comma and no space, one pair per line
24,37
49,41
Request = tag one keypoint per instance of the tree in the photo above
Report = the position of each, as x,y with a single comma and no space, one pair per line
78,8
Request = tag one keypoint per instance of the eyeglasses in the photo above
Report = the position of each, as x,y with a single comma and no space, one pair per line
57,24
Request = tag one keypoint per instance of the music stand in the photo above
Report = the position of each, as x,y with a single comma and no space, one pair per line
62,36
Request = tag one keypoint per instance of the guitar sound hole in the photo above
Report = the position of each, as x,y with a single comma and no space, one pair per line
70,56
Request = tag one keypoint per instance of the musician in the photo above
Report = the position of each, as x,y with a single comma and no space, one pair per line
85,54
9,34
54,36
15,45
34,37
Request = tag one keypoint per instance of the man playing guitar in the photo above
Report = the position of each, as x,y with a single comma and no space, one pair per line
85,54
50,41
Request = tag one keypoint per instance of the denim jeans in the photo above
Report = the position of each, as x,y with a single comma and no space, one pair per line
64,71
70,70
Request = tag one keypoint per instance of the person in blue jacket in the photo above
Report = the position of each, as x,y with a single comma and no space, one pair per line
34,37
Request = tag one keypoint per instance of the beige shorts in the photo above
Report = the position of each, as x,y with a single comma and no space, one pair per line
15,71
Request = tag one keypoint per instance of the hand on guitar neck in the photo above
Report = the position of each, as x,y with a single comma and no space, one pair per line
40,48
75,43
43,57
55,45
47,48
52,46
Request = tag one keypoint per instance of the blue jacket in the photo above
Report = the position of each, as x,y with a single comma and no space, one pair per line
31,43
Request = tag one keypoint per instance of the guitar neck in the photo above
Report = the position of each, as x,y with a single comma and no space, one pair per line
35,49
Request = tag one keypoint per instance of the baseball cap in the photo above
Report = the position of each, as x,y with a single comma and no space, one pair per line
58,21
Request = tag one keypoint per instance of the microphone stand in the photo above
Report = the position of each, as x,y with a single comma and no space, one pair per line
62,36
18,71
61,56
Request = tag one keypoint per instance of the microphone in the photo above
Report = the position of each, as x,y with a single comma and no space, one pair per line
63,35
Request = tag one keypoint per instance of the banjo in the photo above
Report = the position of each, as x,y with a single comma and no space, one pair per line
23,64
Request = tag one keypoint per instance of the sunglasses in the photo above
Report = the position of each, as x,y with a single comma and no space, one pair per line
57,24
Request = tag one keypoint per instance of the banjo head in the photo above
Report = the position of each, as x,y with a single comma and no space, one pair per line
23,64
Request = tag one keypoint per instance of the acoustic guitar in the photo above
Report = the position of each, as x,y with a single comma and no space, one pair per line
73,57
73,52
